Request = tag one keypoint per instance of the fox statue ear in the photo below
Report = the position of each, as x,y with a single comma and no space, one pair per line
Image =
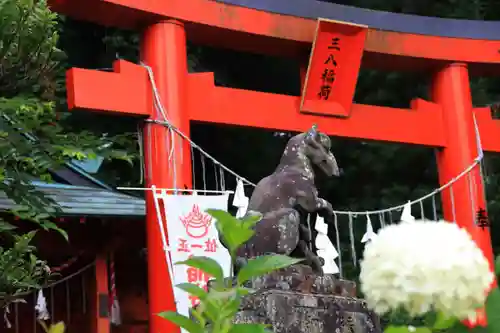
312,132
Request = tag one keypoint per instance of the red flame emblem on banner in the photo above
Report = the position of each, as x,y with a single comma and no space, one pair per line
196,223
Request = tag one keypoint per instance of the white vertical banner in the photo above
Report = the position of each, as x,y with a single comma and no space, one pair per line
192,232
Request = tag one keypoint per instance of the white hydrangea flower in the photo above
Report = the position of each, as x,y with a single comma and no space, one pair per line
421,266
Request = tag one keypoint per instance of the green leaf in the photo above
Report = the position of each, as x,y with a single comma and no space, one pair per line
234,237
233,232
263,265
231,307
249,328
497,265
244,291
193,289
41,216
47,225
442,322
182,321
422,330
226,302
429,319
57,328
211,306
208,265
196,313
251,220
493,310
407,329
4,226
222,216
461,328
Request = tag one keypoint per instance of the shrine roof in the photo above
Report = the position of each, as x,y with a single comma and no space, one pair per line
86,201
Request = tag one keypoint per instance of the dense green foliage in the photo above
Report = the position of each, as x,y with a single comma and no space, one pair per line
21,269
32,129
33,135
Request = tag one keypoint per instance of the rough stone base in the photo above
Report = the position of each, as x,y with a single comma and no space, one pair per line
301,278
295,300
294,312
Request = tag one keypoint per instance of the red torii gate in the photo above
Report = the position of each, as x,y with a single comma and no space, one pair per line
445,123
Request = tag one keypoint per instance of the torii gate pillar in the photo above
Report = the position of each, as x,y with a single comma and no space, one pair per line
163,48
451,90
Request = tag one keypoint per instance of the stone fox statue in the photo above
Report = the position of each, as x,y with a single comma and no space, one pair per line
280,196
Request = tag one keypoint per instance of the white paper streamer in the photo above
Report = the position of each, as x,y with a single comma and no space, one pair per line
6,312
115,317
326,250
321,227
369,234
41,307
406,215
329,267
240,200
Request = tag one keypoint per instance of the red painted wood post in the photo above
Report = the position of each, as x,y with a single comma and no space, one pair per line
164,50
451,90
100,299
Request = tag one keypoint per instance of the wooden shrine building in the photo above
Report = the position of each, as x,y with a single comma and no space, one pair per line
100,223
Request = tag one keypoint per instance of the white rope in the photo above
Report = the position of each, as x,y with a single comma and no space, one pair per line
203,152
428,195
159,106
141,155
66,278
172,128
18,297
452,181
187,190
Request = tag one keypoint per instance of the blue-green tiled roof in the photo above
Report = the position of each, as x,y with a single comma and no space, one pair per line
87,201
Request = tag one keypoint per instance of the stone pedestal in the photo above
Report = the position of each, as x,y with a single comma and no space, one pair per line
295,300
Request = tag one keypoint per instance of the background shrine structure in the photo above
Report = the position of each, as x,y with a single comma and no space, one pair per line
448,50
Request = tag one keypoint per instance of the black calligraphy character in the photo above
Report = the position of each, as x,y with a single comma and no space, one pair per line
328,75
324,91
334,44
482,219
332,60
